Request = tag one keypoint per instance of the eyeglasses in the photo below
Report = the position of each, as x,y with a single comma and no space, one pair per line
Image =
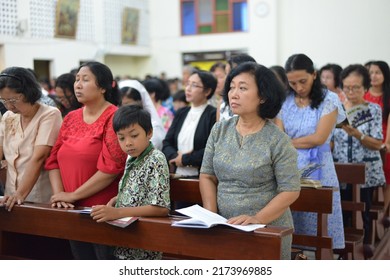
193,86
354,89
11,101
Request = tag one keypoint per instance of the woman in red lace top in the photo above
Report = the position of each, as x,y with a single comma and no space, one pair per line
87,162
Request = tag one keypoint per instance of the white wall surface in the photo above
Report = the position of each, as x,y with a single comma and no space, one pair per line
339,31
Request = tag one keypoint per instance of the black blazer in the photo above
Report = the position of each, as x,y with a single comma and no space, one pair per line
206,122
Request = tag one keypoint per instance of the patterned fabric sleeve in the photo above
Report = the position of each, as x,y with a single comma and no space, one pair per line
111,159
331,103
285,165
158,181
208,156
376,127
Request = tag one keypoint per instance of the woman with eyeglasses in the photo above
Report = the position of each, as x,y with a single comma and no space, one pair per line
363,138
308,116
186,139
28,131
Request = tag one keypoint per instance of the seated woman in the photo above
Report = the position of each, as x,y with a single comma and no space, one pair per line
364,140
186,138
249,172
64,89
28,131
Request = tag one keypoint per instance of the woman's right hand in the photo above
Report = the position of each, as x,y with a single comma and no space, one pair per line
62,200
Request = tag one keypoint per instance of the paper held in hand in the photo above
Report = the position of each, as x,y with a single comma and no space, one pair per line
123,222
203,218
357,116
305,172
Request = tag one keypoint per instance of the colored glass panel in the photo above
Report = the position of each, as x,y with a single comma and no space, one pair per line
222,5
188,18
222,23
240,16
205,29
205,12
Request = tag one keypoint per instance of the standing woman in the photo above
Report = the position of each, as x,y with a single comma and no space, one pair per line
186,139
28,131
249,172
364,141
87,162
330,77
308,116
379,93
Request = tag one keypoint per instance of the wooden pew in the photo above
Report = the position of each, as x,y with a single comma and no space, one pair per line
39,221
354,174
317,201
310,200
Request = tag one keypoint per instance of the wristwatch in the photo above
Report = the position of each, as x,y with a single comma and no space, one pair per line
362,137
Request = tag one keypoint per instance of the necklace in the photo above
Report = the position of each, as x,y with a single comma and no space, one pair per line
302,101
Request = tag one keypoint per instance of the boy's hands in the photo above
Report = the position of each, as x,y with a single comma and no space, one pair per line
102,213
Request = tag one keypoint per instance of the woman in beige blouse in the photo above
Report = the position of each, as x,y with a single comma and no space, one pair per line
28,130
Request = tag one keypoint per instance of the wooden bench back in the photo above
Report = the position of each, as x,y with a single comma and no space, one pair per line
310,200
354,174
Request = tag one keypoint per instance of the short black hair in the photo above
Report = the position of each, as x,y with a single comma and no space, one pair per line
180,95
208,80
130,92
132,114
335,69
270,89
359,70
23,81
238,59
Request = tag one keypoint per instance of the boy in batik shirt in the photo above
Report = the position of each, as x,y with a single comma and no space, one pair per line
144,187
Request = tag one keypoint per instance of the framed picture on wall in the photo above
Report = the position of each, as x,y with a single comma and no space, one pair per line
130,23
67,12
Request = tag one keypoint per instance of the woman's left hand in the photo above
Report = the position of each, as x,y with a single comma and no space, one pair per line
177,160
351,131
243,220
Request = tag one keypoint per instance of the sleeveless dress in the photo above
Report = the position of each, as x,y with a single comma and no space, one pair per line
300,122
